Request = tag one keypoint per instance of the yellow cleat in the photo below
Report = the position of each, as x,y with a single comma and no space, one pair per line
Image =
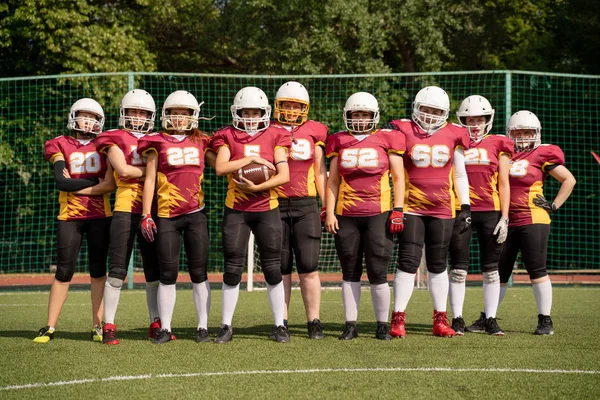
96,334
44,335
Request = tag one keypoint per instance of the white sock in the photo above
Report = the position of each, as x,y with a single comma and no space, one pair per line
229,297
543,296
351,299
404,284
380,296
201,292
503,289
166,304
457,298
277,301
438,290
111,302
491,299
152,300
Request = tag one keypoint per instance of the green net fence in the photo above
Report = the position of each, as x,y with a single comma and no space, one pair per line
35,109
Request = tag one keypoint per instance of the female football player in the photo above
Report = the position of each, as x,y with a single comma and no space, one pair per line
77,167
359,205
298,206
487,165
529,216
250,207
175,168
434,152
137,112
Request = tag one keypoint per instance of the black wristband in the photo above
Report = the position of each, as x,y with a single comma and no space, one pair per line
282,161
465,207
401,209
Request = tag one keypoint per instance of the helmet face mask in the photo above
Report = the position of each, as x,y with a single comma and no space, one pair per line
248,99
367,103
86,116
131,120
473,107
525,130
428,100
286,112
173,118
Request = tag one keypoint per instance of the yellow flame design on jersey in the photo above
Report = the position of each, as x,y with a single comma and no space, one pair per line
416,199
71,206
169,196
347,198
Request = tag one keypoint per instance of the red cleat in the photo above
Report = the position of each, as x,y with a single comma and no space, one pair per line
398,329
440,325
154,329
109,334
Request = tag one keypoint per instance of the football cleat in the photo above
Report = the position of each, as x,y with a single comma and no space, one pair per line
458,324
202,336
224,335
398,329
45,335
109,334
280,334
163,337
154,329
440,325
492,328
383,331
96,334
350,332
315,329
477,326
544,325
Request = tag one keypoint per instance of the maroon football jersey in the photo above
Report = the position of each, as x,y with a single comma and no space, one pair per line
481,162
129,191
180,172
428,167
364,168
82,161
305,138
527,174
241,145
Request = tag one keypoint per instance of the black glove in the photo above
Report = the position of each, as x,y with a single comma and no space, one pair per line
541,202
464,218
388,126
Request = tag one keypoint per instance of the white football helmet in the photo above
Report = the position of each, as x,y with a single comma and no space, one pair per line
180,99
476,106
361,101
139,100
83,124
253,98
524,119
296,92
434,97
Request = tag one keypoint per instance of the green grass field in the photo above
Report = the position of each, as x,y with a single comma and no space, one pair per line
476,366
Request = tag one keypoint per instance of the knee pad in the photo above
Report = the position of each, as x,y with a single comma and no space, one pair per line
63,274
198,275
458,276
117,272
168,276
114,282
491,277
231,279
152,284
272,274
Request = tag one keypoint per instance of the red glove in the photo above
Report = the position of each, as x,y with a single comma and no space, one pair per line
396,220
322,215
148,227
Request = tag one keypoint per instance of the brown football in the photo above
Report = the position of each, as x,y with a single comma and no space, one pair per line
256,173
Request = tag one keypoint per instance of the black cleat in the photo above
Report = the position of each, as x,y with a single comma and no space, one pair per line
315,329
383,331
163,337
458,324
202,336
280,334
492,328
224,335
477,326
350,332
544,325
